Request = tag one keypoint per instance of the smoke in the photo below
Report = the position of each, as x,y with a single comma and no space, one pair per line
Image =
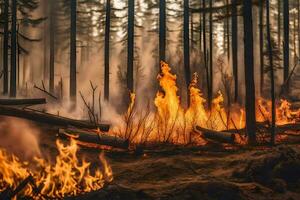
19,137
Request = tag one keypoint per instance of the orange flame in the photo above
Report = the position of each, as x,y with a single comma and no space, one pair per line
66,177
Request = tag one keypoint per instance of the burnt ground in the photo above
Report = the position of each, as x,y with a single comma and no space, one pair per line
169,172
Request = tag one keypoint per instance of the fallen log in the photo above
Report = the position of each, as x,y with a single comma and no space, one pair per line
16,102
48,118
223,137
95,138
263,125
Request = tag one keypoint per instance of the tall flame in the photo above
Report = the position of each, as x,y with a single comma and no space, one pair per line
173,123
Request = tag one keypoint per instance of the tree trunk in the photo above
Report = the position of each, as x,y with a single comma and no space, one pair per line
234,48
249,72
130,45
186,45
261,45
52,46
205,52
73,56
210,94
286,59
106,51
48,118
298,9
279,23
162,30
270,53
13,70
5,47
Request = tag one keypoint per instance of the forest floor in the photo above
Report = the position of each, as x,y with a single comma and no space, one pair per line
200,173
189,172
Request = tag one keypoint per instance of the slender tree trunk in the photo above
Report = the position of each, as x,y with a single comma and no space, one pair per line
5,47
210,94
286,56
205,52
192,31
18,58
261,45
130,45
298,9
186,45
249,72
279,23
13,71
227,31
270,53
52,46
73,56
107,49
162,30
234,48
200,32
295,39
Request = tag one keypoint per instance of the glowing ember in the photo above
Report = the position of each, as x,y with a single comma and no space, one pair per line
66,177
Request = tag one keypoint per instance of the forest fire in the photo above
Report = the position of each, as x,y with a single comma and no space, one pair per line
172,123
68,176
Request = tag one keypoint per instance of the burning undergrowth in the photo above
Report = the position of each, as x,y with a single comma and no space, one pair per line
67,176
172,123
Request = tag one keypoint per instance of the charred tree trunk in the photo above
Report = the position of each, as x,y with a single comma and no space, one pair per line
130,45
270,54
52,46
107,50
261,45
210,94
13,70
186,45
249,72
286,56
73,56
200,32
5,47
279,23
205,50
234,47
162,30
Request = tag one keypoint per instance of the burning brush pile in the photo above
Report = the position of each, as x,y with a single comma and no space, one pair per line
173,124
68,176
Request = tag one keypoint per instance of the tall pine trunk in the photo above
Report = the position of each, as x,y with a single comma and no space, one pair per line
249,72
186,45
106,51
234,48
162,30
52,46
279,23
130,45
261,45
5,47
210,94
270,54
13,70
286,56
205,51
73,56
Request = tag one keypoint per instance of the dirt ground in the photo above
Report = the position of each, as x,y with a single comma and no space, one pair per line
197,173
187,172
